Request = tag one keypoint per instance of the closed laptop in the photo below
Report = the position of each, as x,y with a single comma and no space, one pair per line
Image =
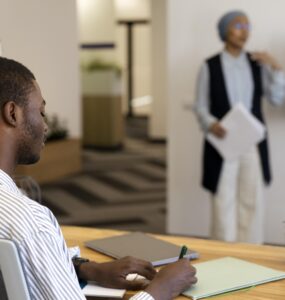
140,245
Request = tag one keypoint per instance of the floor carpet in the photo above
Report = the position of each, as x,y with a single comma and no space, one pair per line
121,190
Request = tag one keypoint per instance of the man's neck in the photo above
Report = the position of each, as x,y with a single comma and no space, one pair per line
7,168
7,158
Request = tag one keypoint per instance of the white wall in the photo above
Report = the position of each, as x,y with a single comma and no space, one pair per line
96,20
43,36
132,9
191,38
158,116
135,10
98,24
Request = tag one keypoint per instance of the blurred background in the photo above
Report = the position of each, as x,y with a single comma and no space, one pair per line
118,76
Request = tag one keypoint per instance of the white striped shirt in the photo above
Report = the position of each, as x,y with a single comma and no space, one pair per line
46,260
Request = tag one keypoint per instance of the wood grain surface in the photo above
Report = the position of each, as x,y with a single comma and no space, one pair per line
269,256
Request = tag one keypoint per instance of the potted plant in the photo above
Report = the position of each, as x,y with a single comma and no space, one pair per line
102,105
101,78
57,130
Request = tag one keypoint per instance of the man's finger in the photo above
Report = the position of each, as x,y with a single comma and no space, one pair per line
144,269
193,280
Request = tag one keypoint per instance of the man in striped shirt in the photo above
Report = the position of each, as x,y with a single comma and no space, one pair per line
47,261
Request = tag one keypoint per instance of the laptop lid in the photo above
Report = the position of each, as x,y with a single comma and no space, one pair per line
140,245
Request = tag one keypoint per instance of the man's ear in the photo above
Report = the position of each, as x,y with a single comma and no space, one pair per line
10,113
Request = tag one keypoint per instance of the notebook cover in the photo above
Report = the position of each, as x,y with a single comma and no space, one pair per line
139,245
229,274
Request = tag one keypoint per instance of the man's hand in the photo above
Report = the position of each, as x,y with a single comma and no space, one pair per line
218,130
172,280
113,274
266,59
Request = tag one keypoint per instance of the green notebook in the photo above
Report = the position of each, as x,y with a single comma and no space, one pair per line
229,274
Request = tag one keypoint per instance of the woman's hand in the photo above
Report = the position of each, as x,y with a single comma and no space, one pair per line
218,130
266,59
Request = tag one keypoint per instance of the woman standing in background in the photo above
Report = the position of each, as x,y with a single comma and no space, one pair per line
230,77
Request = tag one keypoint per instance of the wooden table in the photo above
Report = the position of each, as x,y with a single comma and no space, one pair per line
265,255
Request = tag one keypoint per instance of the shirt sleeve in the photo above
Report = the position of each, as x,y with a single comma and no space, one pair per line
48,267
273,85
74,251
202,99
142,296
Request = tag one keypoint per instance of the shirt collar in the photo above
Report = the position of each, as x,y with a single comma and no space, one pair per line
232,59
7,182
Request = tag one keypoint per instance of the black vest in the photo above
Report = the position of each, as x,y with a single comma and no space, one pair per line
219,106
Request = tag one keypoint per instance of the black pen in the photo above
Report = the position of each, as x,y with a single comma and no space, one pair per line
183,251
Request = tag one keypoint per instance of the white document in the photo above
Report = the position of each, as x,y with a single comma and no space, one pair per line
92,289
243,132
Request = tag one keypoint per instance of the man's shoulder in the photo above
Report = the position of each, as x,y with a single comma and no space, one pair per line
22,217
15,202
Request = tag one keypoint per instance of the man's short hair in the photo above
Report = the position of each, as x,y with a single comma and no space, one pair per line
16,82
